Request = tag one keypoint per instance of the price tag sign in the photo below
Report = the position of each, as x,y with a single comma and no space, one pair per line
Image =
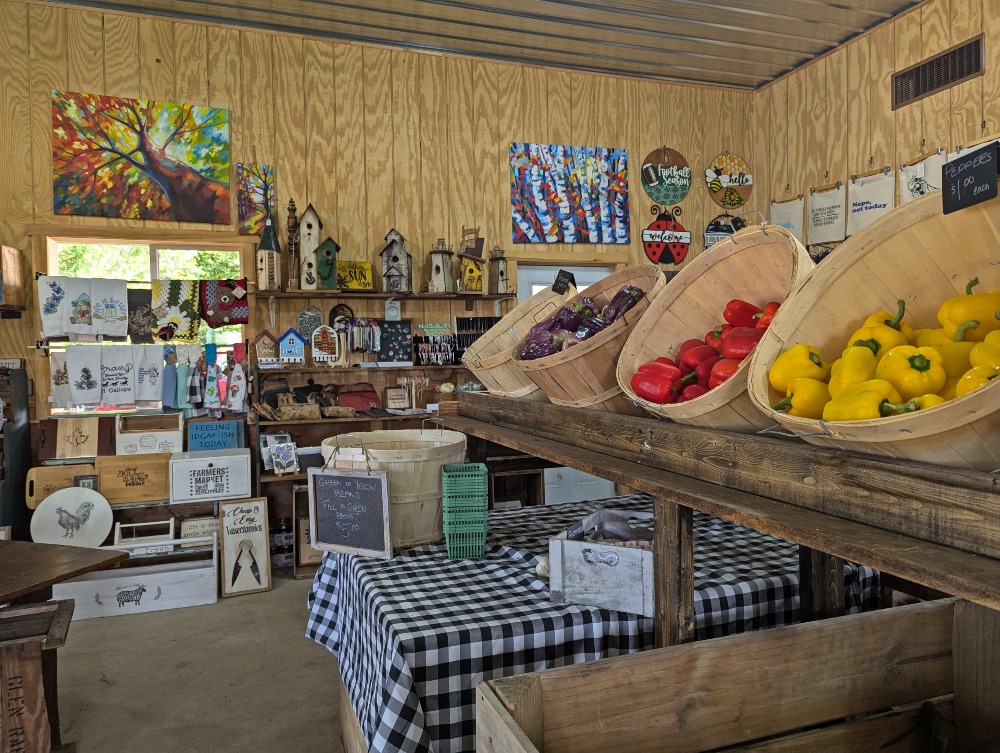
349,512
970,178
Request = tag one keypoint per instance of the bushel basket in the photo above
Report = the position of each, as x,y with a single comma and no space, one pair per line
757,264
918,254
583,376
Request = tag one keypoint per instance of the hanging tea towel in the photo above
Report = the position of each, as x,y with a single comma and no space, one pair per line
224,302
212,397
169,380
118,375
59,387
51,300
868,199
78,315
84,365
789,215
236,394
827,216
140,315
149,361
195,387
175,306
110,307
183,372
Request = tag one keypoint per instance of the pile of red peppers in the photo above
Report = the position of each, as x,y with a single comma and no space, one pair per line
702,365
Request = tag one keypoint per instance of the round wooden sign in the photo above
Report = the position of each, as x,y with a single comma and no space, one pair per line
665,176
666,241
722,227
729,180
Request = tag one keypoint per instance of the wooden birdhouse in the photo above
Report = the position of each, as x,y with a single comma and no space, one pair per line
266,347
268,258
310,226
292,347
442,273
471,254
498,273
397,264
326,264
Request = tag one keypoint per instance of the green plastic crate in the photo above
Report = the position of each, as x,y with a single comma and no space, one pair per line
464,479
465,541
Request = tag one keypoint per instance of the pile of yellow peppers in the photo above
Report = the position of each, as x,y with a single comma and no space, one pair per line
888,368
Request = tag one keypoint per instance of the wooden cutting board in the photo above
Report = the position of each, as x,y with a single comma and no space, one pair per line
126,479
66,438
44,480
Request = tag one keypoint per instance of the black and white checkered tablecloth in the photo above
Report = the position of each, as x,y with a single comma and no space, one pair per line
416,634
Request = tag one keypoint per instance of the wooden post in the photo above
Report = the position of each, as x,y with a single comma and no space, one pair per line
673,572
22,700
977,676
821,585
477,449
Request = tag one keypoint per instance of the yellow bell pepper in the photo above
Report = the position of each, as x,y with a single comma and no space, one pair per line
974,378
981,307
986,353
800,360
948,391
805,399
930,338
874,398
955,354
879,338
857,364
895,321
912,371
928,401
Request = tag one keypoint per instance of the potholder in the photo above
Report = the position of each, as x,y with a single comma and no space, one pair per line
224,302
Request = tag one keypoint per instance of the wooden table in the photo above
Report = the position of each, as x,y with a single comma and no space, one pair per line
27,574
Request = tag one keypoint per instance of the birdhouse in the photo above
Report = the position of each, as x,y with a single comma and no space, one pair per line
310,226
442,275
326,264
498,273
268,258
293,246
397,264
266,347
292,347
471,254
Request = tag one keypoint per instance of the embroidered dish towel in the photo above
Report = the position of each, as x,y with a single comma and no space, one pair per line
59,377
118,372
140,315
51,299
149,361
169,380
224,302
110,307
175,306
84,365
212,398
236,395
78,316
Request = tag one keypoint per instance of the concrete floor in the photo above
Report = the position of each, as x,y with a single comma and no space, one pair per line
238,675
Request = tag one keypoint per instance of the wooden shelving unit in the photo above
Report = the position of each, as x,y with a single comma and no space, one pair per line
353,420
378,296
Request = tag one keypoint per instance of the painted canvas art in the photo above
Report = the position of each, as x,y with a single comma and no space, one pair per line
254,196
137,158
568,194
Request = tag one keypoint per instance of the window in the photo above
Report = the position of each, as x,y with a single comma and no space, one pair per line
534,278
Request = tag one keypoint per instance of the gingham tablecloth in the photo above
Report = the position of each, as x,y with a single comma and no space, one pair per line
416,634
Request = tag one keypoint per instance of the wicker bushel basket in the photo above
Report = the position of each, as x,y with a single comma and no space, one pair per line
923,256
583,376
757,264
491,357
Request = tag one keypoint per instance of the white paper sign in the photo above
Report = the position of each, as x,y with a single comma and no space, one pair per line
869,198
920,179
827,216
791,216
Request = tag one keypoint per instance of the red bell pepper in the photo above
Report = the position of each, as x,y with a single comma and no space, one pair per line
686,346
714,337
657,382
740,313
691,392
704,369
667,361
764,317
740,342
722,371
691,358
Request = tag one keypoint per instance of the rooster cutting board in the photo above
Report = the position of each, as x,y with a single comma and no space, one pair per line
44,480
126,479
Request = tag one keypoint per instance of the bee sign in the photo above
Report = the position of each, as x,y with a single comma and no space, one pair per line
729,180
355,275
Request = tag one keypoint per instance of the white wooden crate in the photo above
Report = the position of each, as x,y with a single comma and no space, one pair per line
210,475
138,435
605,574
136,590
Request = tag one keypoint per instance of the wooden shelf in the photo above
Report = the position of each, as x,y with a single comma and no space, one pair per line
270,478
356,419
353,369
379,296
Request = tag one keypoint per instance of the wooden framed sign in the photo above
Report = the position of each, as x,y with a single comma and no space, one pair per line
214,435
355,275
245,546
349,512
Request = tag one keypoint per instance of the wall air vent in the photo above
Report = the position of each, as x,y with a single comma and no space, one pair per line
951,67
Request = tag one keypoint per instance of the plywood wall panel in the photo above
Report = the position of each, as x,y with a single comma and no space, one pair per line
349,154
859,105
760,155
935,37
191,78
47,27
798,134
321,114
486,143
967,101
510,128
288,158
85,51
909,126
436,166
991,77
157,54
121,56
883,121
406,162
460,142
15,133
559,98
834,135
781,182
222,81
535,103
815,114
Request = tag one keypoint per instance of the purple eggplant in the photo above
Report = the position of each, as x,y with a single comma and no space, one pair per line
538,345
543,326
590,326
624,300
588,307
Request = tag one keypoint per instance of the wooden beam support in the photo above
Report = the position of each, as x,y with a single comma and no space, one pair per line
673,573
976,653
821,585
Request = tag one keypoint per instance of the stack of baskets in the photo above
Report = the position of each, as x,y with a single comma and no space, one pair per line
465,503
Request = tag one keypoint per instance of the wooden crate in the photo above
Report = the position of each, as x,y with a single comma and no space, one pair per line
138,435
216,474
126,479
819,686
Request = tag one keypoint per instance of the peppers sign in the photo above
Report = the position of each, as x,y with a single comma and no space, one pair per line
665,176
666,237
970,178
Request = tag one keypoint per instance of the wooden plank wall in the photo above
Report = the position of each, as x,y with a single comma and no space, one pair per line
833,118
372,137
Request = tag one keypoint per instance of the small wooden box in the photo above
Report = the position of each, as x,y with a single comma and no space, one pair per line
305,553
210,475
137,435
126,479
608,575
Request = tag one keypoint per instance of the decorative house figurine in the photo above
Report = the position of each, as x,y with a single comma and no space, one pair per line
498,273
442,277
268,258
326,264
471,254
266,347
293,247
325,344
292,347
397,264
310,226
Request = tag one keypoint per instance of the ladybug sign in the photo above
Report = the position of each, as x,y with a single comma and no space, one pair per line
666,241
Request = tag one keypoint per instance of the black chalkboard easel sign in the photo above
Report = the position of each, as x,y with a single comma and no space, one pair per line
349,512
970,178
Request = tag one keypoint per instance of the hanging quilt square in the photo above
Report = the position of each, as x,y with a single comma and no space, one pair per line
175,306
224,302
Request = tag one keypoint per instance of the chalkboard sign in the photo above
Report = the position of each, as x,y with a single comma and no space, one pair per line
396,341
970,178
349,512
214,435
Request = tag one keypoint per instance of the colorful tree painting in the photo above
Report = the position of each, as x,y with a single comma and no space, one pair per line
254,196
136,158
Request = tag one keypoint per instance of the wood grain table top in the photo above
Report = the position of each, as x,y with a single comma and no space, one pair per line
26,567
